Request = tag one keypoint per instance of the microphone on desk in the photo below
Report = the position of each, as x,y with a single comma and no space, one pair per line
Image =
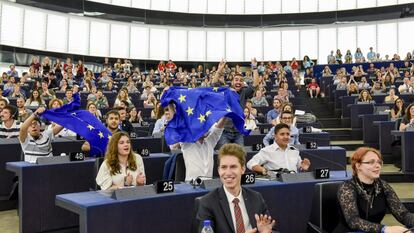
197,181
281,171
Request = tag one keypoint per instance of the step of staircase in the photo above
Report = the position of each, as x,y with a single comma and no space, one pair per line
349,145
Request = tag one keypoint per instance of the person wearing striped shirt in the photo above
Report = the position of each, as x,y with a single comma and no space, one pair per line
9,127
35,143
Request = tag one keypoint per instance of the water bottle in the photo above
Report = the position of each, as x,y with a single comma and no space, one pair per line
207,227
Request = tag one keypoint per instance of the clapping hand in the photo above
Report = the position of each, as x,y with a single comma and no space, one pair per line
128,180
264,224
395,229
305,164
140,179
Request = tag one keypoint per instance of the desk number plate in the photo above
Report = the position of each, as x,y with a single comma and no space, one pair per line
257,147
164,186
322,173
248,178
311,145
144,152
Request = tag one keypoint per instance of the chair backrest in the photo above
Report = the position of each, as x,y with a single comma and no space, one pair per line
179,168
194,222
398,123
98,163
151,128
325,208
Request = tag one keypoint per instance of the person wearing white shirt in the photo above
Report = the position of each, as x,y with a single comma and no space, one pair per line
121,167
286,117
405,87
34,143
199,156
279,155
161,123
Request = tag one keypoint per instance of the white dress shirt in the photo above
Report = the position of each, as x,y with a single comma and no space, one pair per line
245,215
198,157
105,180
160,123
272,157
404,88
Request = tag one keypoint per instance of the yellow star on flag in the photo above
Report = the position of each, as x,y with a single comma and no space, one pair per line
182,98
208,113
228,109
215,89
189,111
202,118
109,137
90,127
100,134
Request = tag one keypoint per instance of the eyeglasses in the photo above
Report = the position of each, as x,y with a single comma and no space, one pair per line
286,118
373,162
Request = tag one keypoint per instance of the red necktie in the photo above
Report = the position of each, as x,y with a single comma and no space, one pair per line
239,217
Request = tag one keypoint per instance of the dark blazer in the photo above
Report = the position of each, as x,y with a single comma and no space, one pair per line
215,207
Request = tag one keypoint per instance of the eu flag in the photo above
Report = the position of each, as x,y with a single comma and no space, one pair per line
81,122
198,109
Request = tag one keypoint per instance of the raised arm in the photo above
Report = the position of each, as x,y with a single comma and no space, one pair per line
57,128
25,126
255,72
220,123
220,69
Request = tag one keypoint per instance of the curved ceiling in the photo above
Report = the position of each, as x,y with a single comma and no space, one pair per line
272,15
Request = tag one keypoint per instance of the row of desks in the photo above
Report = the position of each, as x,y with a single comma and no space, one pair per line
290,204
10,150
39,184
97,212
380,133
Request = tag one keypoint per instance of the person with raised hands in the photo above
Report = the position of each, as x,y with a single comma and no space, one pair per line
121,167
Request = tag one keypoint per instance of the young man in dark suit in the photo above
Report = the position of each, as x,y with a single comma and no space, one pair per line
231,208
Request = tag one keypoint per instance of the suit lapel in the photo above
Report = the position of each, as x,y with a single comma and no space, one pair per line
224,204
249,208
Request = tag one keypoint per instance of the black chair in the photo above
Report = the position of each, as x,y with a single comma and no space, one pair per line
98,163
325,208
179,168
396,145
151,128
194,222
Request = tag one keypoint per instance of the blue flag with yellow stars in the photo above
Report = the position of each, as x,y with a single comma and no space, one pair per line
198,109
83,123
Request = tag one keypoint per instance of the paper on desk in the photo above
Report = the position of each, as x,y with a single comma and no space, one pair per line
299,112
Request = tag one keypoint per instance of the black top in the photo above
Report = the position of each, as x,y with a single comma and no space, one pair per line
127,127
405,120
46,68
363,206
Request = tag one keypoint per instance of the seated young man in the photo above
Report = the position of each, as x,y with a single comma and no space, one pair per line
279,155
9,127
227,207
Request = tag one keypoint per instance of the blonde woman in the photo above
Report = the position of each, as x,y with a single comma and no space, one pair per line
121,167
